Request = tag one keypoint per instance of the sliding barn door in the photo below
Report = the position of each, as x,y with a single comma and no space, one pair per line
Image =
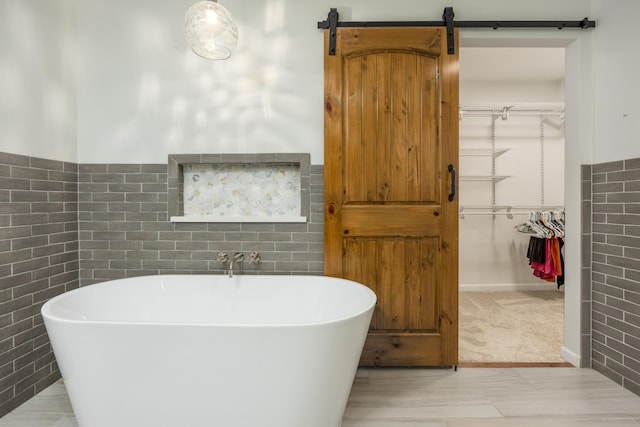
391,132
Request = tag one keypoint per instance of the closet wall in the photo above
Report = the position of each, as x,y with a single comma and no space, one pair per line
519,172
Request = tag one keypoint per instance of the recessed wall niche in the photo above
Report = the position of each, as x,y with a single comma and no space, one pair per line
239,187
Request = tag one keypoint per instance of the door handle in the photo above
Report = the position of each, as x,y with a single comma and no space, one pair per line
452,170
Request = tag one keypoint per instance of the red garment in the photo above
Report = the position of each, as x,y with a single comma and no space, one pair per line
547,271
555,255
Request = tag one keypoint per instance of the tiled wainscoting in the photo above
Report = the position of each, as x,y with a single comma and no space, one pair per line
585,272
64,225
38,260
124,230
615,261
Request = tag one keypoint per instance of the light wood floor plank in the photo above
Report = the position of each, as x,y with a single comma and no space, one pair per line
470,397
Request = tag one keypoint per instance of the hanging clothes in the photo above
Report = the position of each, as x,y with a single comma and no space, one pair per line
545,245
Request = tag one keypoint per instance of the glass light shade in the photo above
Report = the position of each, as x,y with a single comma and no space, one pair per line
210,30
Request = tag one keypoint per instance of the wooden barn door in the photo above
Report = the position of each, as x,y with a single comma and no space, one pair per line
391,132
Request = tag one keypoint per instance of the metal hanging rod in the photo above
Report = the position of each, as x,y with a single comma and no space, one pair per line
497,113
508,211
522,106
505,111
332,23
516,112
516,207
500,111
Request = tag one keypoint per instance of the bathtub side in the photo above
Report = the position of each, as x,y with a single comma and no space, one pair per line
199,375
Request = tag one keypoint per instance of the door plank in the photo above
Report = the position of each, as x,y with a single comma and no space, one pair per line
386,276
430,135
332,162
391,220
414,110
353,125
370,274
397,284
448,268
421,284
370,131
398,145
353,41
384,140
401,349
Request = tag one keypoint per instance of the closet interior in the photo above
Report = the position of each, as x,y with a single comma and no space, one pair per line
511,189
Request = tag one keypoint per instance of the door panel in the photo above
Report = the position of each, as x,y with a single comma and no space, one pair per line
379,110
391,130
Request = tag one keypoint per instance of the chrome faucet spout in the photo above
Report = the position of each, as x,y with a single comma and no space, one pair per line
237,257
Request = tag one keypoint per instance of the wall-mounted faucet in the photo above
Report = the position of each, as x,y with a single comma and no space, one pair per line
238,257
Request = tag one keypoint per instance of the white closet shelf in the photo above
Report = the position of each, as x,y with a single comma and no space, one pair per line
483,152
487,178
485,207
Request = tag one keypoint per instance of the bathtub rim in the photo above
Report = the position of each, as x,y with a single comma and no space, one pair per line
48,315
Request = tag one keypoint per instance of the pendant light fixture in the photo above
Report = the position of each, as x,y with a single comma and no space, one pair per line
210,31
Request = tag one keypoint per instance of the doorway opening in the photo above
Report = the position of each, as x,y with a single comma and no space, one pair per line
511,166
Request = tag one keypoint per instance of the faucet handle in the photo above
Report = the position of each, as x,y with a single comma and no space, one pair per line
222,257
254,257
238,257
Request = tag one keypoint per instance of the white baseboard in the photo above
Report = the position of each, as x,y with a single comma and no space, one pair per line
494,287
570,356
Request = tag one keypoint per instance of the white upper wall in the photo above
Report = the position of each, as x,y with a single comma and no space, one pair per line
37,78
142,94
616,71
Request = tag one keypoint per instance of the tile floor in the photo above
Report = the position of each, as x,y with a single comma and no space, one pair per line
483,397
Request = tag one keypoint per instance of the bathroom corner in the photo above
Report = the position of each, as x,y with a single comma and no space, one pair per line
66,225
39,245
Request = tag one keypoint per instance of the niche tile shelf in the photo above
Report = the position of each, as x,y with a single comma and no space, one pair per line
260,219
265,188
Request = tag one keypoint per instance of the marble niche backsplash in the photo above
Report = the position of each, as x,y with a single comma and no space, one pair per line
241,190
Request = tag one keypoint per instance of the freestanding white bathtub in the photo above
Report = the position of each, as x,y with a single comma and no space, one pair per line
209,350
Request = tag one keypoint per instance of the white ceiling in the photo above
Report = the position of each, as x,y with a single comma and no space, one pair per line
502,63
